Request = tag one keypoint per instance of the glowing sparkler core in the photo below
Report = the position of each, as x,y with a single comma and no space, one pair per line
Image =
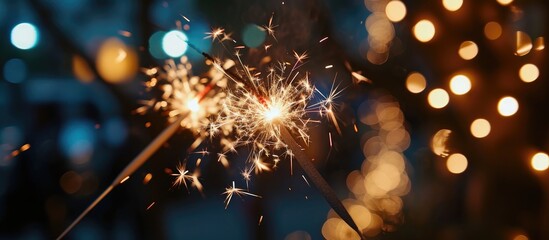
193,105
272,113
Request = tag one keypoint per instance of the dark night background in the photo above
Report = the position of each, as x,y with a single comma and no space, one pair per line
82,132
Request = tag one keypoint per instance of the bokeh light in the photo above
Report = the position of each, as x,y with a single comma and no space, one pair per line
438,98
507,106
520,237
539,44
174,43
452,5
424,30
505,2
116,63
540,161
415,82
253,36
439,142
480,128
15,70
528,72
456,163
24,36
468,50
460,84
81,70
523,44
70,182
492,30
395,11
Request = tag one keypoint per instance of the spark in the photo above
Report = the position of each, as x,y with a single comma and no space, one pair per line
259,166
202,152
147,178
247,175
151,205
125,179
183,178
125,33
329,66
186,19
270,28
215,33
304,178
322,40
231,191
330,138
260,220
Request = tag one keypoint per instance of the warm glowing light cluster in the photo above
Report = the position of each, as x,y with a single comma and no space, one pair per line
395,11
415,82
540,161
492,30
116,62
424,30
529,72
505,2
508,106
378,186
468,50
456,163
460,84
438,98
439,142
452,5
480,128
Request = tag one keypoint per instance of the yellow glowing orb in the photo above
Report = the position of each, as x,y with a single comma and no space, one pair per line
415,82
505,2
480,128
424,30
438,98
468,50
507,106
116,63
452,5
492,30
460,84
395,11
540,161
529,72
456,163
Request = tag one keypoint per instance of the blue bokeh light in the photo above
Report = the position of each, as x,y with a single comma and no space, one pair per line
77,141
253,35
24,36
15,70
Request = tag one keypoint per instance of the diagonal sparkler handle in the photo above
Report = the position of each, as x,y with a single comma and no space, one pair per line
149,150
130,168
85,212
318,181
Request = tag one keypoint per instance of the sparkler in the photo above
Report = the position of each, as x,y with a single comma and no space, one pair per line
189,101
267,111
231,191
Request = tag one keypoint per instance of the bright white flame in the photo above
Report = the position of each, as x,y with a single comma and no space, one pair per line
272,113
193,105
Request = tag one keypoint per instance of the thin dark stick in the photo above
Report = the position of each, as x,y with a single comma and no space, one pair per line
318,181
